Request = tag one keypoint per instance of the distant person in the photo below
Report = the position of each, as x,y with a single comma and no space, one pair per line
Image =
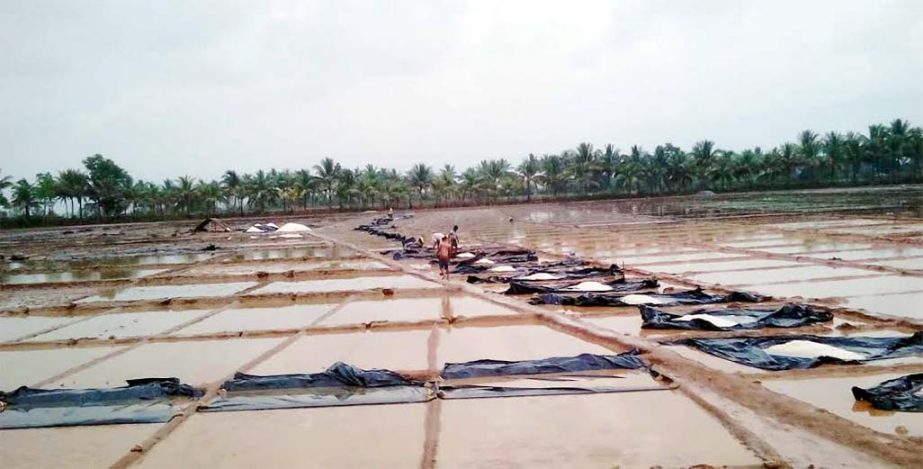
453,240
437,238
511,219
443,254
390,213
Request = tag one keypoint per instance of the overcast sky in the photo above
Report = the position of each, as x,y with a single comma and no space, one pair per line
169,88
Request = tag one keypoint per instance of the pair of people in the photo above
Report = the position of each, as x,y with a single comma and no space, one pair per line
446,247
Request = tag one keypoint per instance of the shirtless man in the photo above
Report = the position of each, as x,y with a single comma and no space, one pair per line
443,254
453,240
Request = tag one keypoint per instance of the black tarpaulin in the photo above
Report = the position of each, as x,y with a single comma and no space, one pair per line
618,286
571,269
750,351
148,400
690,297
790,315
904,394
583,362
541,386
339,385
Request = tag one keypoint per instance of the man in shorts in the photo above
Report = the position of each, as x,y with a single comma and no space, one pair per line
443,254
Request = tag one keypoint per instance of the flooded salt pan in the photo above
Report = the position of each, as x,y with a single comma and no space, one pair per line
779,275
838,288
29,367
171,291
75,276
748,263
416,309
835,395
254,319
12,328
351,284
87,446
121,325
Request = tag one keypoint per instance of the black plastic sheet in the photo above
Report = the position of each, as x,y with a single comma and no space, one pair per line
339,385
582,362
690,297
787,316
901,394
750,351
149,400
618,286
568,270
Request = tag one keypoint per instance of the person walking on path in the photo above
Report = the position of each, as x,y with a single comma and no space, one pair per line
443,254
453,240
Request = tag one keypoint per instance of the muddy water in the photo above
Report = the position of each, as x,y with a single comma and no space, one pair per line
75,276
254,319
96,446
396,350
28,367
170,291
417,309
120,325
12,328
837,288
350,284
807,272
834,395
641,429
747,263
694,256
906,305
194,363
333,437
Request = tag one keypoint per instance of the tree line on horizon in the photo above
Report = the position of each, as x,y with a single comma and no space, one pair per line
102,190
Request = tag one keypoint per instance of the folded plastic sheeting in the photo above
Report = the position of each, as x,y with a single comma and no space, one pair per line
149,400
339,385
903,394
582,362
690,297
541,386
618,286
806,351
549,271
790,315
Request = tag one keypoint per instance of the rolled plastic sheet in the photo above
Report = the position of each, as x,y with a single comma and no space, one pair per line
148,400
788,316
904,394
752,351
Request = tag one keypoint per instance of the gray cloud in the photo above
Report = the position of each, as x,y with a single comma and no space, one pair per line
172,88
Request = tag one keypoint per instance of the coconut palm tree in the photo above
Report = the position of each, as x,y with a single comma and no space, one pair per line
703,153
232,185
327,173
24,198
528,169
420,177
833,148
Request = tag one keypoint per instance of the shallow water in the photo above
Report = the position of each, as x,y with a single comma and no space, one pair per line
256,319
746,263
333,437
600,430
834,395
88,446
75,276
838,288
28,367
415,309
171,291
807,272
14,327
346,284
122,325
194,363
906,305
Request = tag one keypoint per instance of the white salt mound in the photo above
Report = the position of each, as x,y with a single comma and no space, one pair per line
290,236
589,286
253,229
718,321
502,268
464,255
641,300
539,276
809,349
292,228
484,262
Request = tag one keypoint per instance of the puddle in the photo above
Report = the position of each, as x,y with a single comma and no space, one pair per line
88,446
12,328
332,437
28,367
848,287
121,325
346,284
203,290
75,276
907,264
254,319
411,310
806,272
712,361
865,254
197,362
748,263
905,305
696,256
395,350
834,395
599,430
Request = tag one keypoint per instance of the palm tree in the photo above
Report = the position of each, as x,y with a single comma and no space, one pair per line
703,153
327,173
24,197
833,147
420,177
444,185
232,184
186,194
608,164
5,183
259,190
553,173
72,184
305,183
528,169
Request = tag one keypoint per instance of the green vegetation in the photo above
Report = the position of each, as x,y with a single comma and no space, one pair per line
104,191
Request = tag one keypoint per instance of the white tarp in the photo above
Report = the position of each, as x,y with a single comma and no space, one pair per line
588,287
641,300
539,277
719,321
